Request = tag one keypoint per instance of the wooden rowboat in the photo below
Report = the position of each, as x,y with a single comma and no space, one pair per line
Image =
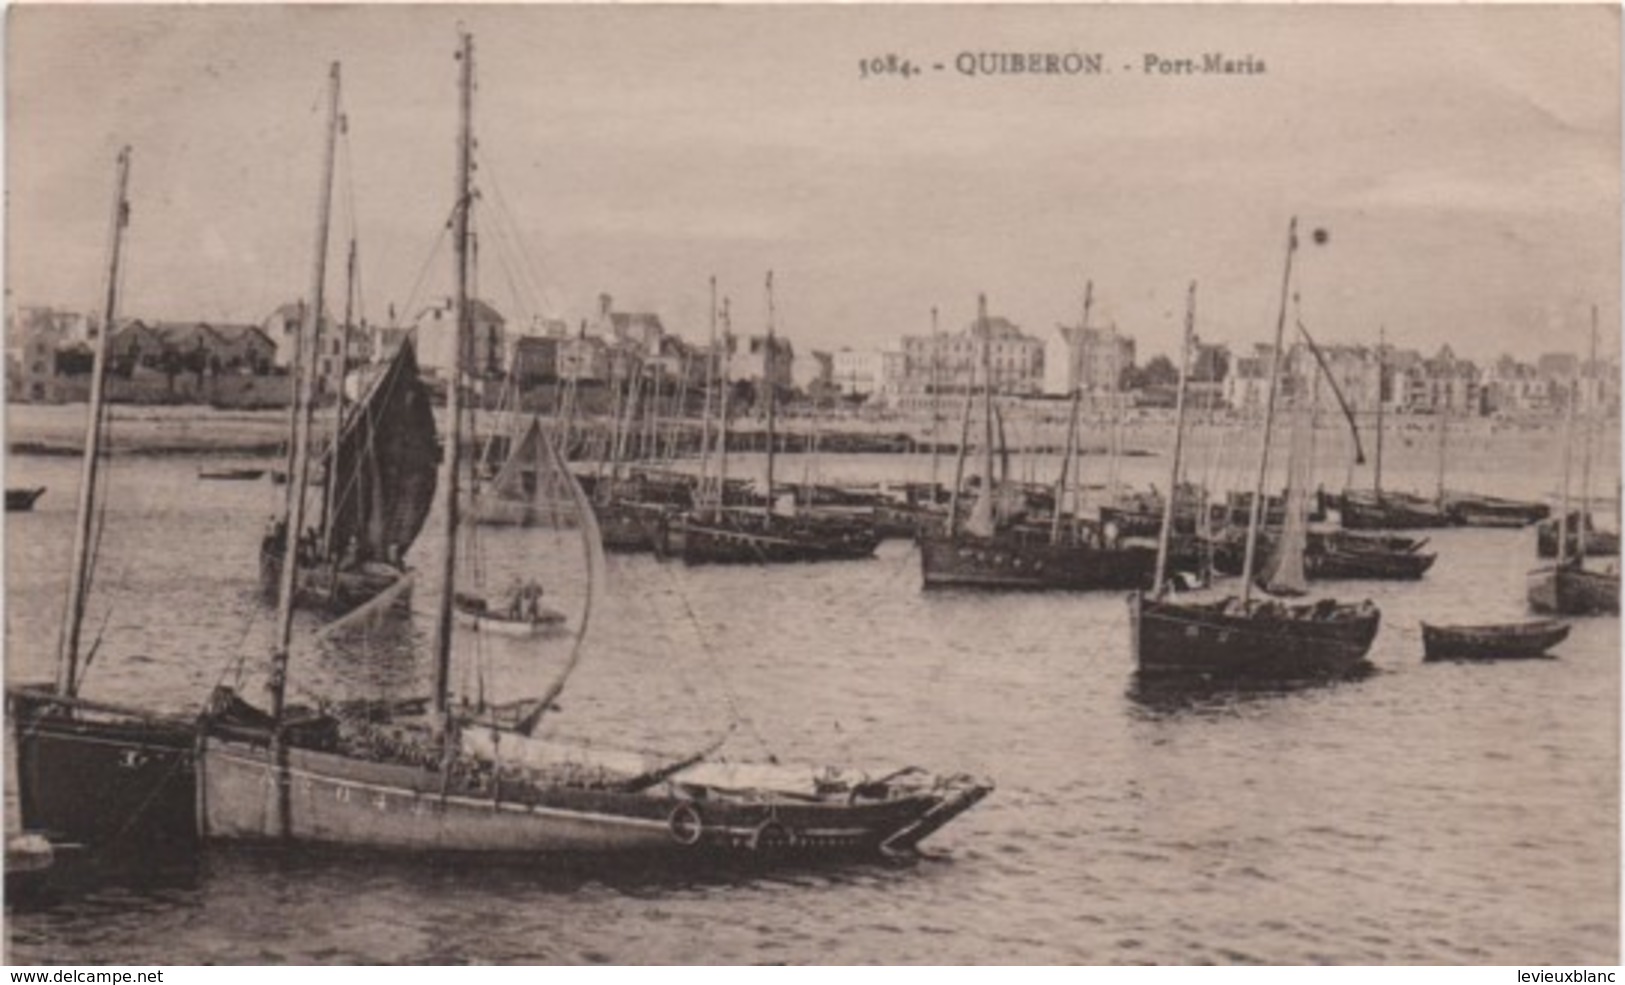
231,474
476,614
22,500
1493,642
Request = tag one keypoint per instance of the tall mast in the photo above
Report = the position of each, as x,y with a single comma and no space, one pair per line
710,387
1568,465
936,387
768,366
330,500
304,400
987,399
722,412
964,442
1444,422
451,462
1255,512
1071,449
1179,444
1585,458
67,667
1382,386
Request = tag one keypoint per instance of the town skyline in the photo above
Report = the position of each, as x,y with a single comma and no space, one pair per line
1468,206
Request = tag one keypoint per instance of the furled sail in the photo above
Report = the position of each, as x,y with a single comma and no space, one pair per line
1284,574
386,459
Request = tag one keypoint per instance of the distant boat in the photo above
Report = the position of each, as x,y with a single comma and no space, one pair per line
526,490
1567,587
1493,642
232,474
1474,510
1598,543
22,500
381,484
714,535
992,549
478,614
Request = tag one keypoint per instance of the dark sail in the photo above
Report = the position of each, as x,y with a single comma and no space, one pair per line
387,460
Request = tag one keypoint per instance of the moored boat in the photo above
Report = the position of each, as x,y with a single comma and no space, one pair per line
104,777
454,780
1492,642
381,482
245,474
1246,638
23,500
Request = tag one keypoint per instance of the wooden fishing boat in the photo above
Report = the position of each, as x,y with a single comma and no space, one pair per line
1492,642
1391,511
1263,639
994,548
384,466
231,474
456,781
1598,543
1246,638
1014,562
736,537
23,500
1571,590
1475,510
1367,563
714,535
104,777
479,615
108,777
1567,587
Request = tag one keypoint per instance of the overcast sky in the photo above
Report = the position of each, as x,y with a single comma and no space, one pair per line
1466,162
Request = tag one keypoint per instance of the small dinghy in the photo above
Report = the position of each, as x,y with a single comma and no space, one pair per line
1505,641
22,500
231,474
475,613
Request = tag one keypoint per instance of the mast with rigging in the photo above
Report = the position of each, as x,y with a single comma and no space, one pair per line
67,680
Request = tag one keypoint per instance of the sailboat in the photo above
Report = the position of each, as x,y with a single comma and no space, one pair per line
89,773
1380,509
452,782
525,489
714,535
1568,587
987,550
1233,638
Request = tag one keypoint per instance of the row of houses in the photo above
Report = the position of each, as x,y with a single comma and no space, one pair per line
43,345
1404,381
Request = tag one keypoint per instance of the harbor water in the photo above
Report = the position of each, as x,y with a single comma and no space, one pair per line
1426,813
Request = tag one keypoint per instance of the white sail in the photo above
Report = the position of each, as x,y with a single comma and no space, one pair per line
1284,574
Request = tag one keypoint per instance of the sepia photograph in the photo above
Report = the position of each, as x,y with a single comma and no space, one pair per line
923,484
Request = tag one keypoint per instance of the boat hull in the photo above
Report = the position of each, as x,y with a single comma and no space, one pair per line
1574,591
22,500
1599,543
1391,513
103,779
1513,641
341,801
703,543
323,588
993,564
1200,640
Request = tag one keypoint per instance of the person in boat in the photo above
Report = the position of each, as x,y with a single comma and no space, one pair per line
515,598
533,600
352,554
